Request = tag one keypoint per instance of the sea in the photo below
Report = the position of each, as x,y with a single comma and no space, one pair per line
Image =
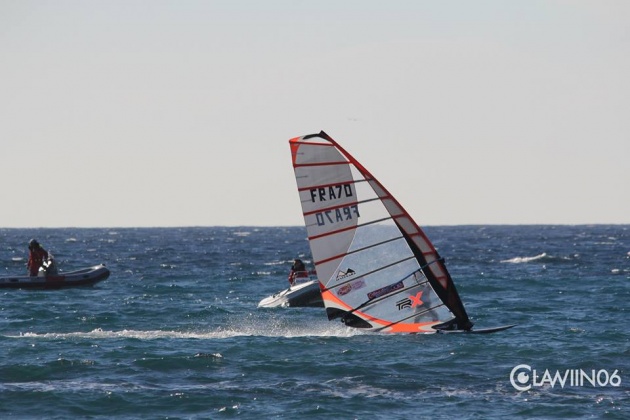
175,331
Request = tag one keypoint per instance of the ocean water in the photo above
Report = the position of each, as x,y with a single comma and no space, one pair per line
175,331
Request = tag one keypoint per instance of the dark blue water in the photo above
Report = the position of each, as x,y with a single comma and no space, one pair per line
175,331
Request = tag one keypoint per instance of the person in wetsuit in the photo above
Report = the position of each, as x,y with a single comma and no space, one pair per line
36,257
298,270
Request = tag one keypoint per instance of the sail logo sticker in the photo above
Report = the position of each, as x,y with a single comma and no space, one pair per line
334,192
343,274
385,290
410,302
337,215
347,288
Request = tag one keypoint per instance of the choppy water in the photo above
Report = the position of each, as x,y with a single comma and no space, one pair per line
175,331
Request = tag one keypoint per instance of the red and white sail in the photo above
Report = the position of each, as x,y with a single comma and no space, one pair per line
376,267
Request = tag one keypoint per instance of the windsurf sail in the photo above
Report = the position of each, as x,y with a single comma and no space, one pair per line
376,267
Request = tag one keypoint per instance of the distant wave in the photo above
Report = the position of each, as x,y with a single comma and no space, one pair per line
518,260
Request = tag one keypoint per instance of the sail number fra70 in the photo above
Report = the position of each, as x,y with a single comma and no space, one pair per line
333,192
337,215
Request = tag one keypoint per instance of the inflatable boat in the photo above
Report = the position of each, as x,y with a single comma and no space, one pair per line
83,277
305,294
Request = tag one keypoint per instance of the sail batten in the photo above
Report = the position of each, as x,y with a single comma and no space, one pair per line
366,304
359,250
364,245
318,164
348,228
311,187
365,275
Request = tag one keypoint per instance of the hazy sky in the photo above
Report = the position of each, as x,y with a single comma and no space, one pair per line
178,113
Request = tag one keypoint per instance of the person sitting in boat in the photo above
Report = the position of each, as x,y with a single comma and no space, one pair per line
37,256
298,270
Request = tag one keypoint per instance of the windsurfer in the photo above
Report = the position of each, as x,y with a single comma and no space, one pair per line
298,270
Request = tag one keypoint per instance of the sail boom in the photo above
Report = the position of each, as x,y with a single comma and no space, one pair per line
411,316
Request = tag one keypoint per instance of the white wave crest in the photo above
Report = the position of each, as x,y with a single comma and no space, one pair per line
518,260
325,330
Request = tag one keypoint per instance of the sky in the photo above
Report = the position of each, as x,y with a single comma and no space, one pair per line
142,113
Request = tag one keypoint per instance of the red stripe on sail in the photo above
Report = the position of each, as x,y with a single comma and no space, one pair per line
352,203
304,165
331,233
